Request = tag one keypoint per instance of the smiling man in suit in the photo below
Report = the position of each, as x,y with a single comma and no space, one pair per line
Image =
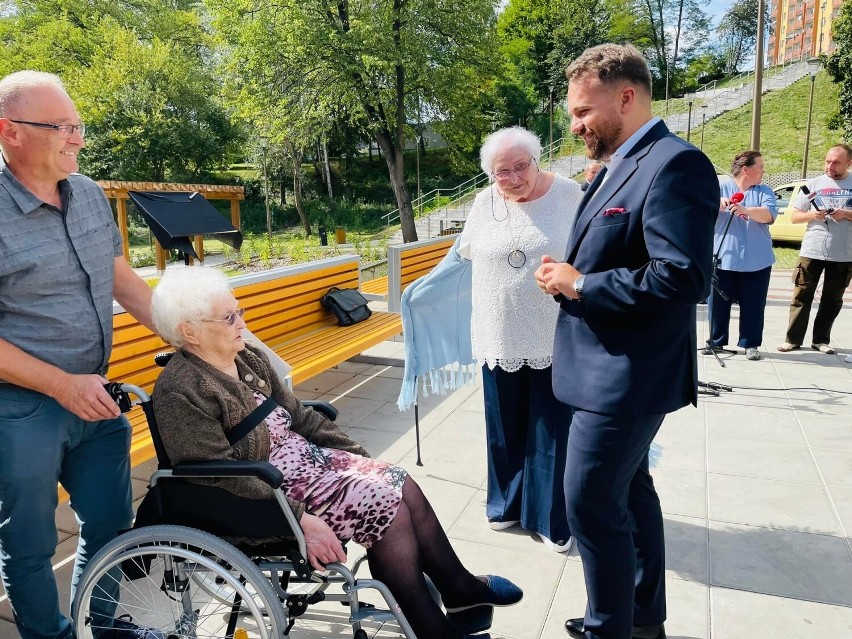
637,264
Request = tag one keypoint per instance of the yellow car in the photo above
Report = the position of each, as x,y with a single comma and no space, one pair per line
783,229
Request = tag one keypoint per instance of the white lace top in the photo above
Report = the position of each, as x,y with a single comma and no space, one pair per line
513,322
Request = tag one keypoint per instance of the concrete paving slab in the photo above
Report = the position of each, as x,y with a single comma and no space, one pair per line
761,459
772,504
796,565
738,613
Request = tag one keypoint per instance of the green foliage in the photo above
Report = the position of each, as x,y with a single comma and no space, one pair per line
839,67
662,25
296,65
738,30
139,72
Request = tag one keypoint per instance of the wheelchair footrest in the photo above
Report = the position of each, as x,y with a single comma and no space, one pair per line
371,614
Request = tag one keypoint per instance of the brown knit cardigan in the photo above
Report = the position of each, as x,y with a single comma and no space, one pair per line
195,404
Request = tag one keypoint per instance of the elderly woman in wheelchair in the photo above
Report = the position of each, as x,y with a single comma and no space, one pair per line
208,391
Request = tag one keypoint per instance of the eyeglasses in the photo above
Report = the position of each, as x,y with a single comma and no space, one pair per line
65,131
519,169
231,318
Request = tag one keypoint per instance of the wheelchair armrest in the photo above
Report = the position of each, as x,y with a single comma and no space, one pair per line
322,407
260,469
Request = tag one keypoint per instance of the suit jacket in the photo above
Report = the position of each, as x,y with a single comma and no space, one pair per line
629,347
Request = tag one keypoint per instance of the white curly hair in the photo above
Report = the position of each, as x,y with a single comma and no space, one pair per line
508,138
186,295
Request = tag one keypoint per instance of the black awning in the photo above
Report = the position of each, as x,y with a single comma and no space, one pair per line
175,217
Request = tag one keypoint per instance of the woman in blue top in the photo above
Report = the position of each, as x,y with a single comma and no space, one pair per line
742,249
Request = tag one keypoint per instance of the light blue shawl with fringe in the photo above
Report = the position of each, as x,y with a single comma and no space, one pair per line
436,311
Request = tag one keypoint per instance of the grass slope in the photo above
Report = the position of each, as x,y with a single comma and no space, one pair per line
784,116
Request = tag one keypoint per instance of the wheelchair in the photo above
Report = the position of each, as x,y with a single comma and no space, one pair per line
212,564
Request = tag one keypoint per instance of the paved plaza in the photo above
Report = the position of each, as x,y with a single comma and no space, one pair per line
756,487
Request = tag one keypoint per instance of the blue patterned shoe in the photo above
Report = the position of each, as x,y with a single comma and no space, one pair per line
502,592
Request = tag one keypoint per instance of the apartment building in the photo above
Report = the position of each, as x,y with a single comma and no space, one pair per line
802,29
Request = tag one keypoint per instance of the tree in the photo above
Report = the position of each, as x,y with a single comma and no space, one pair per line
540,38
668,31
137,70
307,60
738,32
839,67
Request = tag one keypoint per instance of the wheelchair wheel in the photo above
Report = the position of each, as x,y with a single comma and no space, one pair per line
150,577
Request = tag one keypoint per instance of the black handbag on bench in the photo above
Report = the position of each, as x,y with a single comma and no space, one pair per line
347,305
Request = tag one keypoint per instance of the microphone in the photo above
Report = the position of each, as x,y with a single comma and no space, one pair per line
736,198
828,211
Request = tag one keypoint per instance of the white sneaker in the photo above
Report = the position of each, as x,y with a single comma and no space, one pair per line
823,348
503,525
566,547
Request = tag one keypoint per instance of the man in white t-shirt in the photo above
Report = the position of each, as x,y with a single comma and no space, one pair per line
826,247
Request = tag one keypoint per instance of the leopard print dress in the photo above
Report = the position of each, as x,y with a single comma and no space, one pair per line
356,496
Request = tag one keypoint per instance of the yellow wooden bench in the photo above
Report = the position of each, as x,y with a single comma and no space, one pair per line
376,288
408,262
282,308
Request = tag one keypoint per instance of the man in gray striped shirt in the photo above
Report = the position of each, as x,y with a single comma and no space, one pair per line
60,267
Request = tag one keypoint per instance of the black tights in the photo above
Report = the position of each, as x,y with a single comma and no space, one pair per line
414,544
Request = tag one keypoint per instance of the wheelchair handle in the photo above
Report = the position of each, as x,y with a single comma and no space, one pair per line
120,393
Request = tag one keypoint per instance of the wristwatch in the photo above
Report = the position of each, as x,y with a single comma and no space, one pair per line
578,286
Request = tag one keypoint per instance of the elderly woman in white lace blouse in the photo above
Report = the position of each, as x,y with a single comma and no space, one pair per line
525,213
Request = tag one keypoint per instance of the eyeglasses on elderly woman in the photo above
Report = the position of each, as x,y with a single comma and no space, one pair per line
519,169
231,318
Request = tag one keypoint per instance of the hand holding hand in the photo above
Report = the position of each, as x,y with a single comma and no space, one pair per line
323,547
556,277
85,396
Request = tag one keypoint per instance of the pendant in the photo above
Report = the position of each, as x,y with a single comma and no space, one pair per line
517,258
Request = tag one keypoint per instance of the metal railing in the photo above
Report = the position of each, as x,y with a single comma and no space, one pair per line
459,198
737,91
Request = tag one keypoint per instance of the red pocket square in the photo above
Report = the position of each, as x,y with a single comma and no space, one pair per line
615,211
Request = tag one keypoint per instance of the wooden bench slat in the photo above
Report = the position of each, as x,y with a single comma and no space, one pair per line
377,286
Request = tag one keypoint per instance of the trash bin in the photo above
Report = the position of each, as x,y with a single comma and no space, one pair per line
340,235
323,235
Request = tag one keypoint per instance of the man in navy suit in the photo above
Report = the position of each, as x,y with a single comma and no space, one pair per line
638,262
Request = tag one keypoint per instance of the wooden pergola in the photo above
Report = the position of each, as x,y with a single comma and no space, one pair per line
117,191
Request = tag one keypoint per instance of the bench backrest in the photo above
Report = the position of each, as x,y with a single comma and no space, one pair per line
285,303
408,262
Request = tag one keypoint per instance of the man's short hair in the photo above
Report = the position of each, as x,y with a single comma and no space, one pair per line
13,86
846,148
611,63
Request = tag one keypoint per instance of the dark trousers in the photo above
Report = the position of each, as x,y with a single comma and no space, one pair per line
527,432
749,291
805,279
615,516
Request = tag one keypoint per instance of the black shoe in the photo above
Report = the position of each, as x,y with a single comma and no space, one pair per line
575,628
472,620
656,631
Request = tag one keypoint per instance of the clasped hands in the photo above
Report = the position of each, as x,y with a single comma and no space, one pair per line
555,277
